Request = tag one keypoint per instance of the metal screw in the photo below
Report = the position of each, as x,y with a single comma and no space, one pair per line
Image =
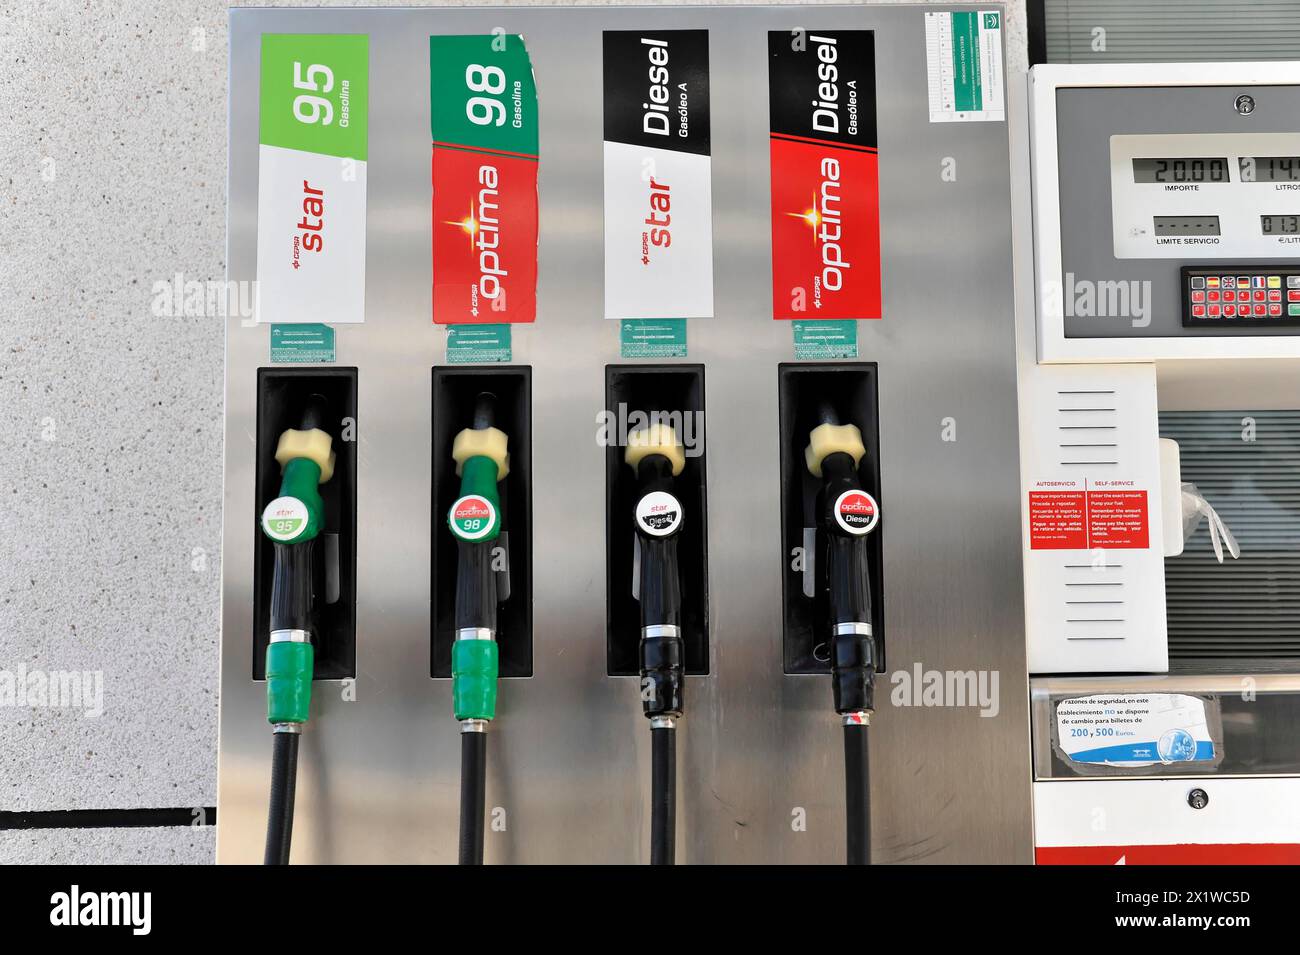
1198,799
1245,104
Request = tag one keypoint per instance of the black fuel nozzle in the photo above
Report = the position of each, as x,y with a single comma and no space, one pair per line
657,457
846,513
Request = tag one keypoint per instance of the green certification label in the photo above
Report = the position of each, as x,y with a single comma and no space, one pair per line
314,95
308,343
470,344
824,340
482,94
652,337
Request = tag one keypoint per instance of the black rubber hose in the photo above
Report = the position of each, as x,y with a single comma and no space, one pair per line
857,794
473,790
663,795
284,782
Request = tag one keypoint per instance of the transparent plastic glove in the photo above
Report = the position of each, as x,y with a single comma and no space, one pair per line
1195,506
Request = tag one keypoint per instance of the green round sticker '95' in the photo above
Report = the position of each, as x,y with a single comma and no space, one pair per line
472,517
284,518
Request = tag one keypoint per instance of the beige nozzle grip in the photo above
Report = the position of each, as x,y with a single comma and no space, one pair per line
482,442
655,438
827,439
315,445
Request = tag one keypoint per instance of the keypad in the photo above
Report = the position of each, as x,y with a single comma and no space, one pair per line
1259,297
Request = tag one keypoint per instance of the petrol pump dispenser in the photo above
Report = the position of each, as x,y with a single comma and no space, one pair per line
482,462
655,454
293,521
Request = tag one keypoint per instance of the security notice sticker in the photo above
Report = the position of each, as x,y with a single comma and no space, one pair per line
483,119
963,57
658,176
825,194
1134,729
311,184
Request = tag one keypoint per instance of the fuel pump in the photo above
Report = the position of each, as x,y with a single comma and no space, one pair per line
655,454
846,514
475,519
293,521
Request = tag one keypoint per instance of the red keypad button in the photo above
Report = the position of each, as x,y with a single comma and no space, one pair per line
1214,311
1229,296
1259,295
1260,310
1229,311
1198,296
1198,311
1214,296
1293,295
1275,295
1275,310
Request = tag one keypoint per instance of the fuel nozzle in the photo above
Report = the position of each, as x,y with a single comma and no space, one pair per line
655,454
292,521
847,513
482,462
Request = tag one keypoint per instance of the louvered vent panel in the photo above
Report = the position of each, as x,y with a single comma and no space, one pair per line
1099,31
1247,609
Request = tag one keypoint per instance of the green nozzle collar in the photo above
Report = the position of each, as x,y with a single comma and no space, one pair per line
296,515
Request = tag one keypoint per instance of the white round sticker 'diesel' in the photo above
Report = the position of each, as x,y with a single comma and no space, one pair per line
284,518
659,513
857,512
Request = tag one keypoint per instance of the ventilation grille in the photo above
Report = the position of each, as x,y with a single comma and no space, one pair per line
1171,30
1246,609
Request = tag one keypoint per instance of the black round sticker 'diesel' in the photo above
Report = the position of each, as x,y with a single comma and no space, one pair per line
659,513
856,512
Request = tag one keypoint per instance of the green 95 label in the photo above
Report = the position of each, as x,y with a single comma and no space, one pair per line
284,519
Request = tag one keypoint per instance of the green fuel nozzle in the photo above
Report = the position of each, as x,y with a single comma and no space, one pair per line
482,462
292,521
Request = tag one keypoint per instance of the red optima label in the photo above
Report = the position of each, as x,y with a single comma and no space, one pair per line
471,508
484,237
825,176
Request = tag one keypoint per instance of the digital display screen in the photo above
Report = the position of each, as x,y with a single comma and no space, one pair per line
1270,168
1188,169
1187,225
1280,225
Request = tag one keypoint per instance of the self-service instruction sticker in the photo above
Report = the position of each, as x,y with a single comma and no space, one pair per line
1134,729
963,58
311,180
658,175
483,120
821,89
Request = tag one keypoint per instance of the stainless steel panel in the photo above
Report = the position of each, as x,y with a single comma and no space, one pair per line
569,756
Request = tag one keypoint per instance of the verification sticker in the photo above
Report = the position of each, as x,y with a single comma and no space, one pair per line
652,338
311,185
467,344
963,57
1134,729
308,343
824,341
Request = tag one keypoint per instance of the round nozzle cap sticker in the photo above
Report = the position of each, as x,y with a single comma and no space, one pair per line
472,517
284,518
659,514
857,512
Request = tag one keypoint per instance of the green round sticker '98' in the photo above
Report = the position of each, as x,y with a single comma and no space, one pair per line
284,518
472,517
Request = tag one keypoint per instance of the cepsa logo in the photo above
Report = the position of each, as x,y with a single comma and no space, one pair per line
825,194
483,226
310,234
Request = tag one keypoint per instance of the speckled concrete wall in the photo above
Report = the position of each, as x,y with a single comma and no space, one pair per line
113,165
